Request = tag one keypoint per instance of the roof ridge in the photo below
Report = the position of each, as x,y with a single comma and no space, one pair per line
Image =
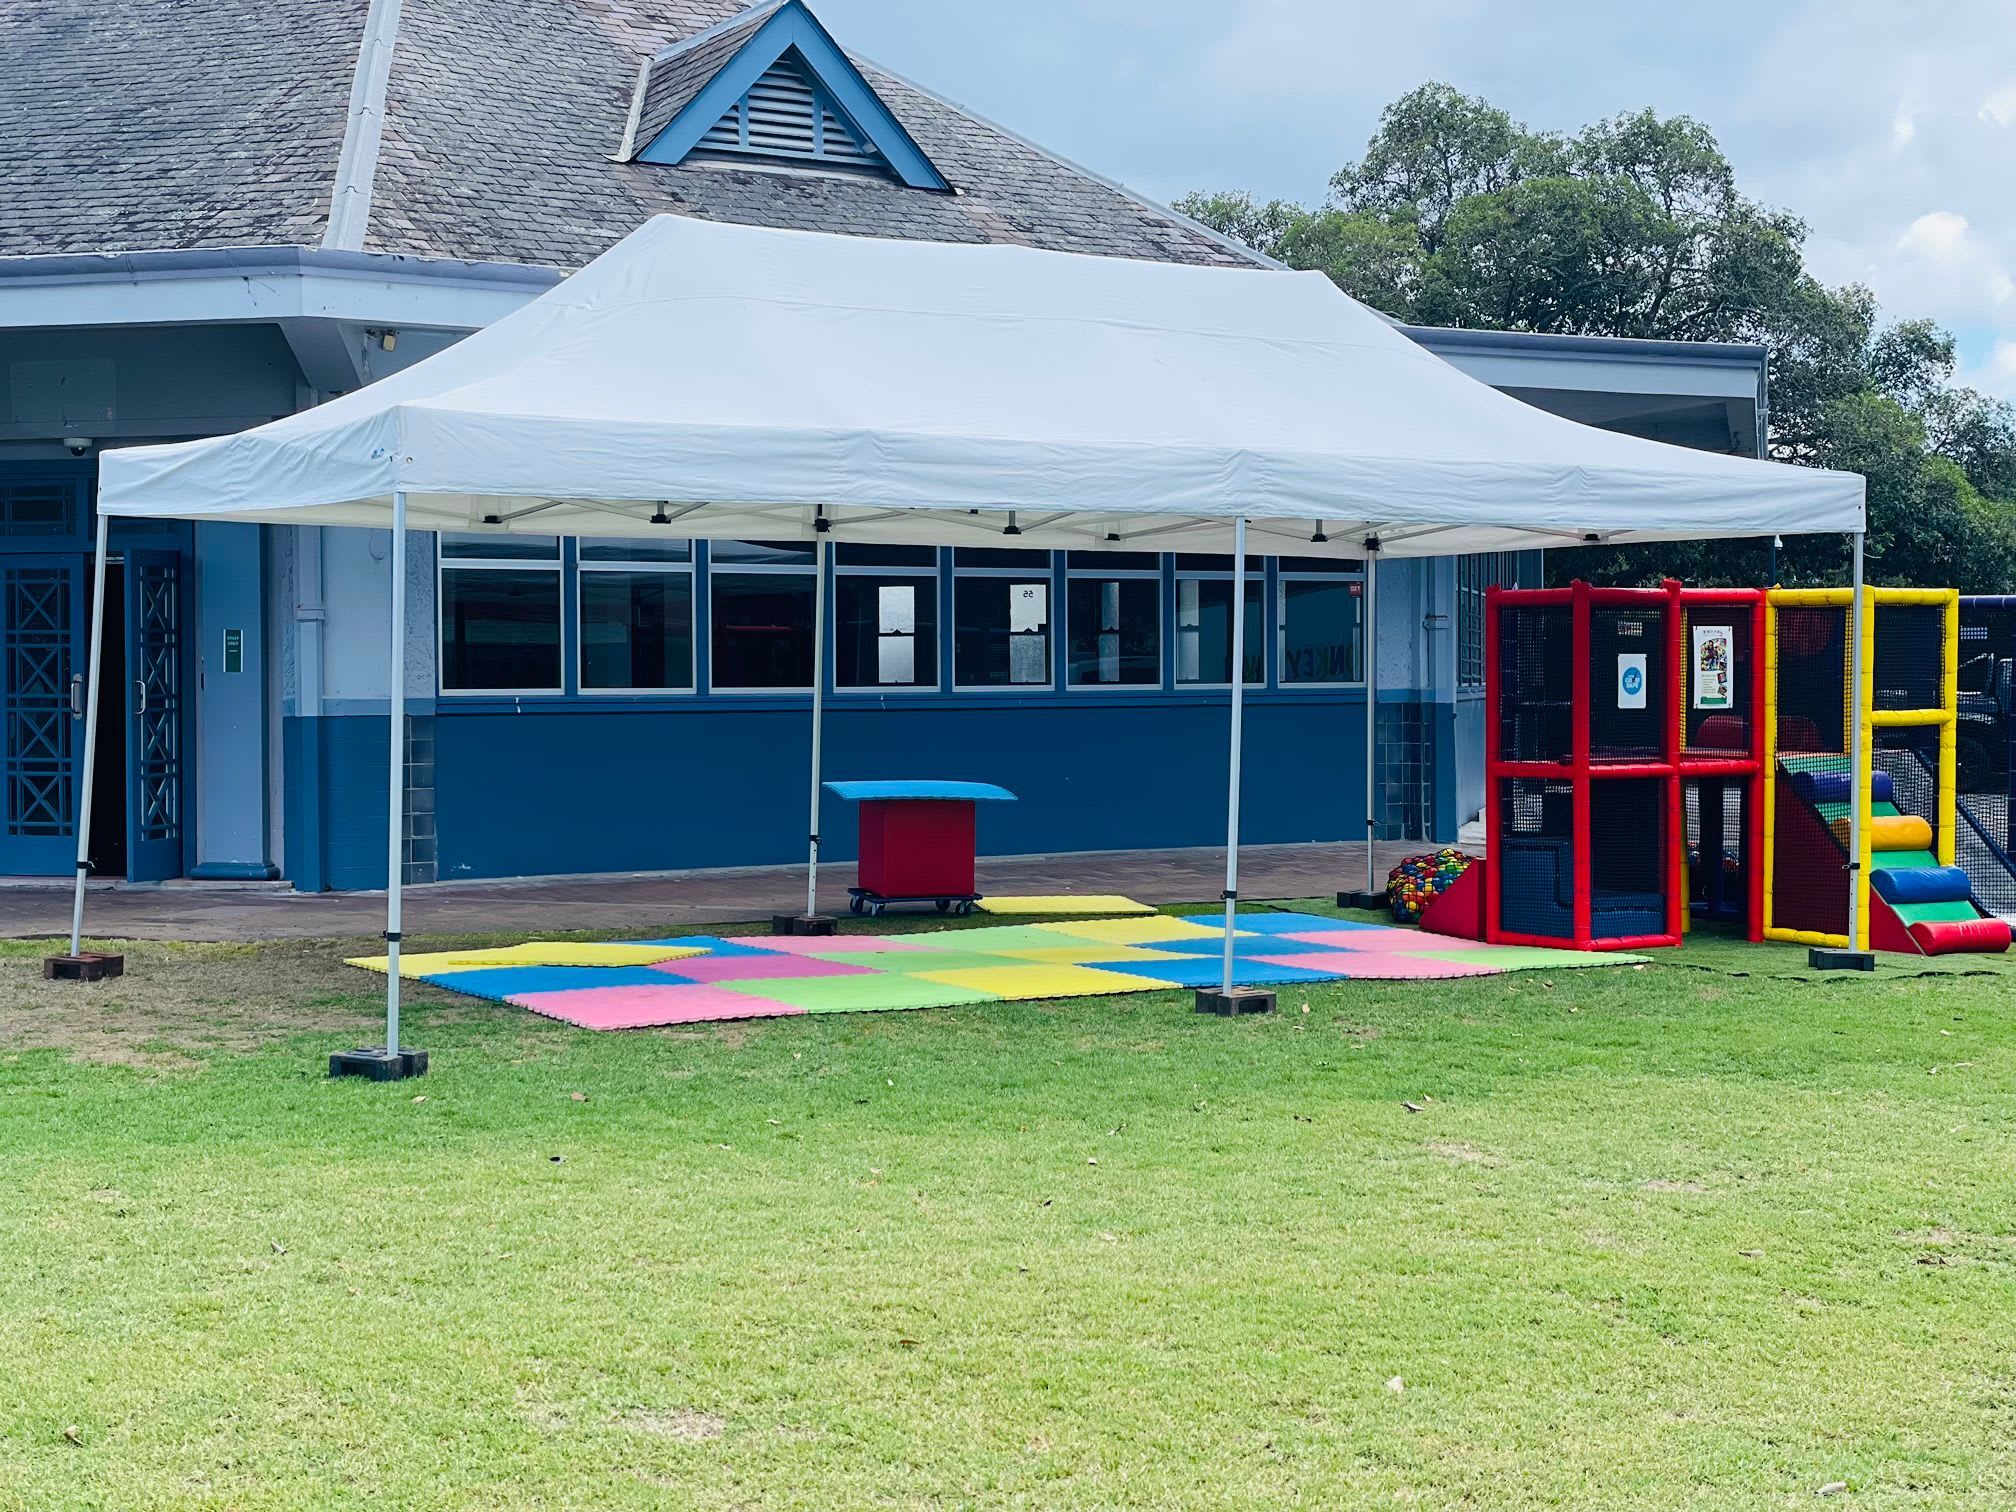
363,130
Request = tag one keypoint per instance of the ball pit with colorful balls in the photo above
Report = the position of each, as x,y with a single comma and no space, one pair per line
1416,880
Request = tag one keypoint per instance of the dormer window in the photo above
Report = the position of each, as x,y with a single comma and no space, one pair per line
769,85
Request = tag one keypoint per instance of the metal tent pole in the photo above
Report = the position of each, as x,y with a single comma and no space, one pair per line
90,713
818,721
1227,999
1371,712
1855,741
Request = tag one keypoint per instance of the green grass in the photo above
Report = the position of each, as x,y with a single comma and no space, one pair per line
1667,1237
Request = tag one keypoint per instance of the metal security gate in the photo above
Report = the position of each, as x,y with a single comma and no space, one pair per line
154,720
41,711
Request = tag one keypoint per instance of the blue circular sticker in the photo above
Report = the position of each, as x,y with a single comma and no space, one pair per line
1634,681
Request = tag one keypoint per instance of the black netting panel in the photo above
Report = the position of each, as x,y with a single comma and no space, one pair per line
1813,679
1617,639
1911,758
1910,655
1715,702
1984,840
1536,683
1535,859
1628,858
1718,850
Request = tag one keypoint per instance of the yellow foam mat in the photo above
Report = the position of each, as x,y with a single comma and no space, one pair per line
1042,981
1097,903
1154,930
532,953
1891,832
1083,952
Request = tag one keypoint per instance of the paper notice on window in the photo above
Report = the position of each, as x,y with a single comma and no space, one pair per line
897,606
896,658
1028,607
1109,657
1189,655
1028,658
1714,667
1187,608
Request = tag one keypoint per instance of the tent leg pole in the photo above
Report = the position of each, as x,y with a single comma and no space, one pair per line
812,922
392,1063
1371,895
1857,957
74,966
1228,999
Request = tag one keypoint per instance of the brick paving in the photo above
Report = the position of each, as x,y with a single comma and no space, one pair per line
639,903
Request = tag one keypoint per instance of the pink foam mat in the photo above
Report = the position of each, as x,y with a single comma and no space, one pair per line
757,968
1375,939
647,1007
1374,965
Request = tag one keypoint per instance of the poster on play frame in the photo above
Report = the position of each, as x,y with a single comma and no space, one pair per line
1714,667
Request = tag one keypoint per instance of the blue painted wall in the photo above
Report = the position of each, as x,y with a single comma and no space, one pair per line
230,768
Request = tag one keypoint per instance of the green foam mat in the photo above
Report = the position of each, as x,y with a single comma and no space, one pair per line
1935,913
861,994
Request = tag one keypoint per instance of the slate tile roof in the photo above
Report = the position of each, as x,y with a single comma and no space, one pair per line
681,72
144,124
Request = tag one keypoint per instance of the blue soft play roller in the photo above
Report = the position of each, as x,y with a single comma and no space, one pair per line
1922,884
1833,787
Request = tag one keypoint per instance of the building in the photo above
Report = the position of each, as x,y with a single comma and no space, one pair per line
213,216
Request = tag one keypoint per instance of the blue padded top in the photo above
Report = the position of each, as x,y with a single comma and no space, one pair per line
1922,884
1833,787
962,792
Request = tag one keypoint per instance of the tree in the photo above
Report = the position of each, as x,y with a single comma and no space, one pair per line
1457,214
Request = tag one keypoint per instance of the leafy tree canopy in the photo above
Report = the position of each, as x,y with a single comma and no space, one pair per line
1458,215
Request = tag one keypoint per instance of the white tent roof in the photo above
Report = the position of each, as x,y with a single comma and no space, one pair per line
741,380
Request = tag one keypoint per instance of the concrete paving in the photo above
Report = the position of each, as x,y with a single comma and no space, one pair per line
640,903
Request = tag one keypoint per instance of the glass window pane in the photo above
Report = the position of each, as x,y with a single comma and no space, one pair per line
500,629
1329,566
989,556
1114,561
1194,562
1001,631
636,630
1320,625
1204,631
886,632
856,555
762,624
761,553
1115,632
501,548
638,549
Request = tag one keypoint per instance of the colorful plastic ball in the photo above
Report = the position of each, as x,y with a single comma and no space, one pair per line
1418,880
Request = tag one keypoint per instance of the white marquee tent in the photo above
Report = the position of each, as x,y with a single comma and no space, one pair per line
729,381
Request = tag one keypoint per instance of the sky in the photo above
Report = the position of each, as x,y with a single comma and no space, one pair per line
1889,126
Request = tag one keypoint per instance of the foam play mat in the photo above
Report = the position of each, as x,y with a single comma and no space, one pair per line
700,979
1090,903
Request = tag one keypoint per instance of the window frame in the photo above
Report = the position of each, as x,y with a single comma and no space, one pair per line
1160,682
955,573
928,580
1477,573
1284,575
690,567
808,571
444,564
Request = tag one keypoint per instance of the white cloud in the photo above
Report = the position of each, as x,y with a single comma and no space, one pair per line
2000,107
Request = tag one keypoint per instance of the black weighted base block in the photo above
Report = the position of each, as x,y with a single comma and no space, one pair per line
87,966
1361,900
1239,1000
803,924
376,1064
1830,958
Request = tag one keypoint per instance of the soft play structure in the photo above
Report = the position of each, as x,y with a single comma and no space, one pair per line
1908,894
1622,764
1985,804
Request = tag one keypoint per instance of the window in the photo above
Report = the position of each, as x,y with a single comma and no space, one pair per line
1113,609
636,615
1000,618
885,617
1474,574
1204,594
1322,621
500,614
760,613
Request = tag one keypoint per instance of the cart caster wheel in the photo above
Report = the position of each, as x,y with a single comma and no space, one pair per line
965,909
875,909
944,905
854,904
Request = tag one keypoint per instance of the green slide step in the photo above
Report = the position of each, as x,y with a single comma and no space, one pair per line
1934,913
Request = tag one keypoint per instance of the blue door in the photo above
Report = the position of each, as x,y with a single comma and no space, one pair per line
154,715
41,711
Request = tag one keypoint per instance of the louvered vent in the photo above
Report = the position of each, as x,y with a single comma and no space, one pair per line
786,115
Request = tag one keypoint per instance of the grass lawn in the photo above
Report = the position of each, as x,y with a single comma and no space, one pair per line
1668,1237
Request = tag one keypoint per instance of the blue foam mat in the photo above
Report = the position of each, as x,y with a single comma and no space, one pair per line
1280,923
1201,971
501,982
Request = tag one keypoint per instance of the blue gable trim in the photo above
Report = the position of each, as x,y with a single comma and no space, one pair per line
795,29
